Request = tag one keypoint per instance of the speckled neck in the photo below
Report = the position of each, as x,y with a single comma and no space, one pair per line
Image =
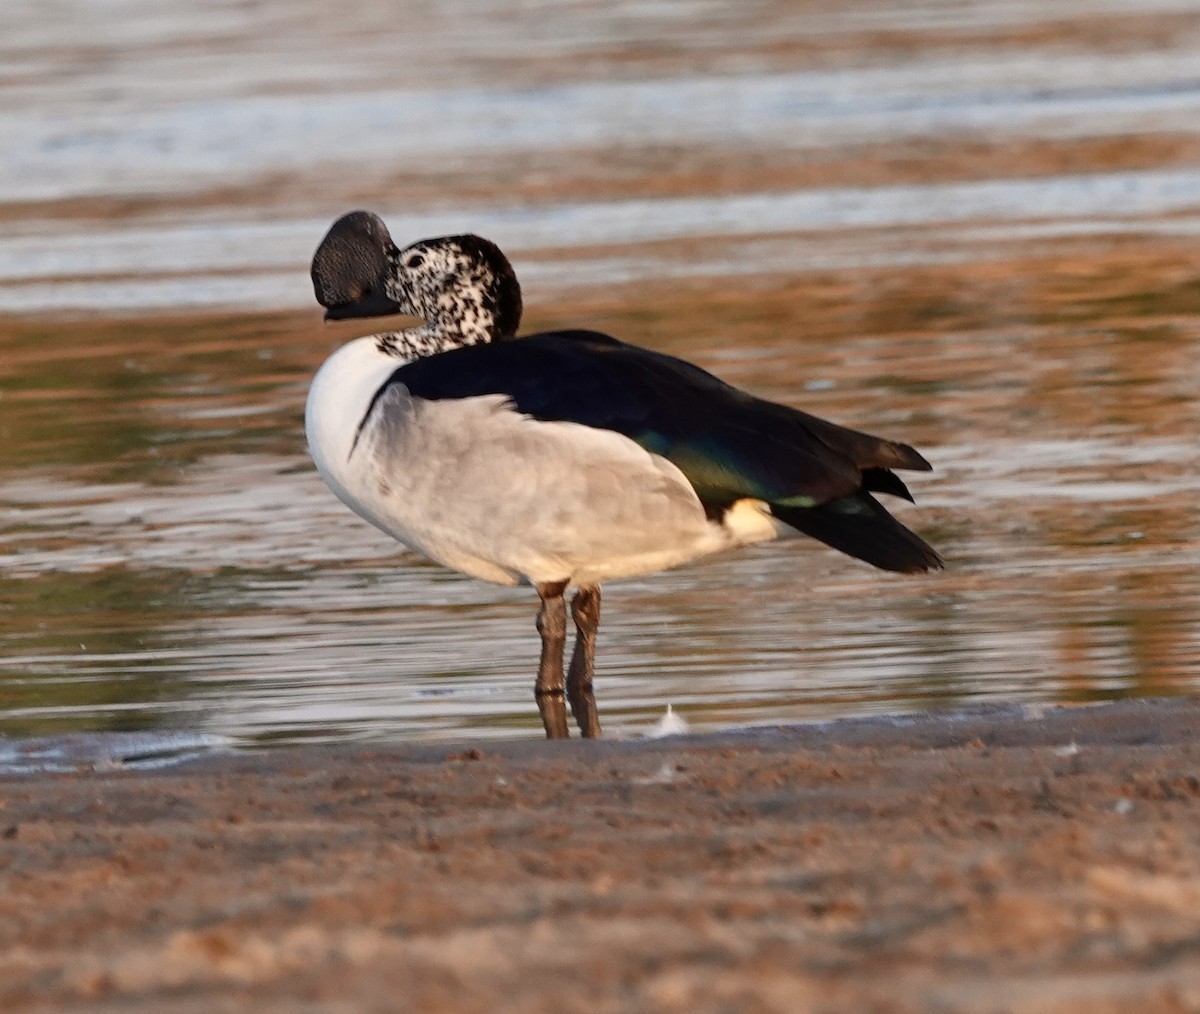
428,340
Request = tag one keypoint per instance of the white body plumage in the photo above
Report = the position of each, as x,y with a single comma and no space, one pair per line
476,486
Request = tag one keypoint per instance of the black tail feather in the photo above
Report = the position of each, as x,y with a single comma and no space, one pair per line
881,480
859,526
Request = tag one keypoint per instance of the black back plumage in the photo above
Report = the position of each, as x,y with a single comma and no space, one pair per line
817,476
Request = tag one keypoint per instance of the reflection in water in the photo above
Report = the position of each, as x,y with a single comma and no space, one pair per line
970,226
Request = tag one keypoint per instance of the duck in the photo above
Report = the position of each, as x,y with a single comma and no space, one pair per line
564,459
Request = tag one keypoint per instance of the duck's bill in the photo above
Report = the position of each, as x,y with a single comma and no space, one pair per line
374,304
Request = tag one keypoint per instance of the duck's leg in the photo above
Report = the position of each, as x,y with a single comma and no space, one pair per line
552,625
585,611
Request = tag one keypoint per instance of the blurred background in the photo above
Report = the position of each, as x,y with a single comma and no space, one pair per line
971,225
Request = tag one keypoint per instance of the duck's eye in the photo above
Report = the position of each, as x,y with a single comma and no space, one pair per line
415,261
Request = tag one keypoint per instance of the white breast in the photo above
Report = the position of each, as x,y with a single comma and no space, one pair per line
338,398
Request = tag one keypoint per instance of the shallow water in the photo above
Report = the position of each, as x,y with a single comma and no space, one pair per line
971,227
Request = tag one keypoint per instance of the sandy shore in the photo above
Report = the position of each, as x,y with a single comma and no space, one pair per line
1005,859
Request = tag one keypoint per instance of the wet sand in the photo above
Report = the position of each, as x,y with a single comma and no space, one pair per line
1004,859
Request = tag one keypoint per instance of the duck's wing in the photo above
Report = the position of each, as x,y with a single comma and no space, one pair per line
729,444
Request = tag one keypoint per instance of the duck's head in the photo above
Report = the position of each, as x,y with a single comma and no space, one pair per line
462,286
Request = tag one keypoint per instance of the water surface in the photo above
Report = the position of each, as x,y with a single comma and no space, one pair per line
968,226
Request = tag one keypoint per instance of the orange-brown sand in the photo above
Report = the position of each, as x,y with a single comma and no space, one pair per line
1009,859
